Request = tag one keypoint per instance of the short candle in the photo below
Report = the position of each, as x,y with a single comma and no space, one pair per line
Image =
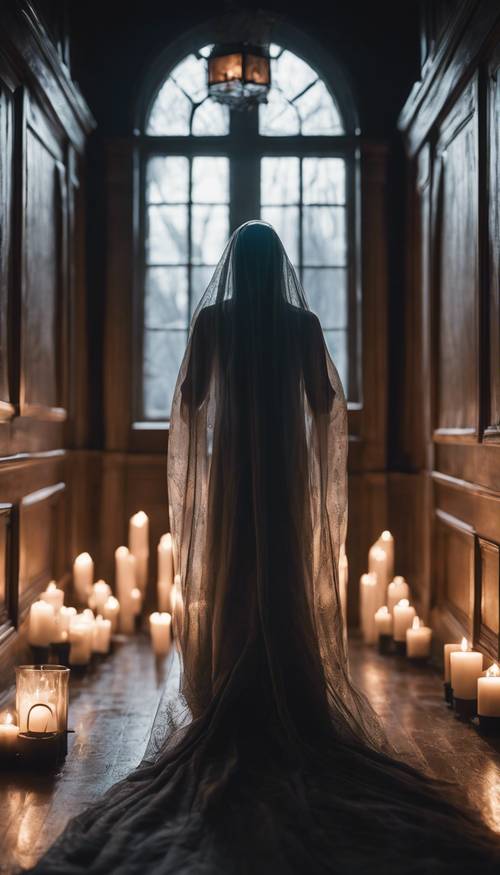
383,621
403,619
161,633
398,589
418,640
488,693
53,596
466,666
9,732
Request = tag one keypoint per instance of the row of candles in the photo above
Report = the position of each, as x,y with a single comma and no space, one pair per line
389,620
39,735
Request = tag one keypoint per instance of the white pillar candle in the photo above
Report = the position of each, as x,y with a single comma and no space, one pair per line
102,635
381,563
63,619
387,543
488,693
368,604
53,596
398,589
465,668
83,576
448,648
125,583
418,640
138,543
165,571
111,612
81,637
383,621
99,595
161,632
8,735
403,615
42,624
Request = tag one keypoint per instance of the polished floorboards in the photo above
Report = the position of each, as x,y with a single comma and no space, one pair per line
112,711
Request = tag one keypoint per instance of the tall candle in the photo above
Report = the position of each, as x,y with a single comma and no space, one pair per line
99,595
447,650
465,668
418,640
381,563
160,624
125,583
383,621
387,543
53,596
111,612
488,693
83,576
165,571
42,624
398,589
403,615
138,542
8,736
368,595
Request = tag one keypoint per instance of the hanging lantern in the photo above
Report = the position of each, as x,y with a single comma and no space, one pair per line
239,75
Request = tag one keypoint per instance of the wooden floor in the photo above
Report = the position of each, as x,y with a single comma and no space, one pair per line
113,708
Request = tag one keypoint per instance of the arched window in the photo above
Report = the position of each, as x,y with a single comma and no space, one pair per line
205,169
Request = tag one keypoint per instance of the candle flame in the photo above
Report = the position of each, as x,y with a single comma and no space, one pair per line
121,551
386,535
52,586
416,623
464,646
83,558
112,602
384,610
399,579
369,579
140,518
161,617
9,718
493,671
166,541
403,603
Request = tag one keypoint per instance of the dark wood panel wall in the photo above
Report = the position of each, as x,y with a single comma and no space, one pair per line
451,435
43,124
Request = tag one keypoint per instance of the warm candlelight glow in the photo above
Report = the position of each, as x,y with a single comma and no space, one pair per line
416,623
464,646
383,611
52,586
386,535
493,671
140,518
404,603
8,718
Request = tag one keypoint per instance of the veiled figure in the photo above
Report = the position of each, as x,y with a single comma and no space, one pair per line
270,761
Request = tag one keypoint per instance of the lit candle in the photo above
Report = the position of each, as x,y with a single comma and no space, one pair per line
418,640
9,732
83,576
99,596
383,623
165,571
368,596
111,611
125,583
161,632
403,615
81,637
465,668
102,635
53,596
488,700
41,624
381,563
138,543
398,589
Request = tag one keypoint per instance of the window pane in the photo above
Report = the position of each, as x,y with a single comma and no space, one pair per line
323,181
200,278
210,120
167,180
191,76
278,118
166,298
210,181
336,342
279,181
167,239
171,112
209,232
317,111
163,352
285,221
292,74
324,236
326,291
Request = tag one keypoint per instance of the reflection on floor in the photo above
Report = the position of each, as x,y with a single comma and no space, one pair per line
112,711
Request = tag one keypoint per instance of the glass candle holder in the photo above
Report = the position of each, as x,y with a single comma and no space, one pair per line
42,698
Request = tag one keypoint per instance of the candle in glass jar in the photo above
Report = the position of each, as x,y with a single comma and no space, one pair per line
465,668
138,543
368,604
403,615
160,624
83,576
488,693
42,624
9,732
398,589
418,640
53,596
111,611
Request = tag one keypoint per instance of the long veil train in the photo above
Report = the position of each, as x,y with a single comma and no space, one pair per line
273,762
